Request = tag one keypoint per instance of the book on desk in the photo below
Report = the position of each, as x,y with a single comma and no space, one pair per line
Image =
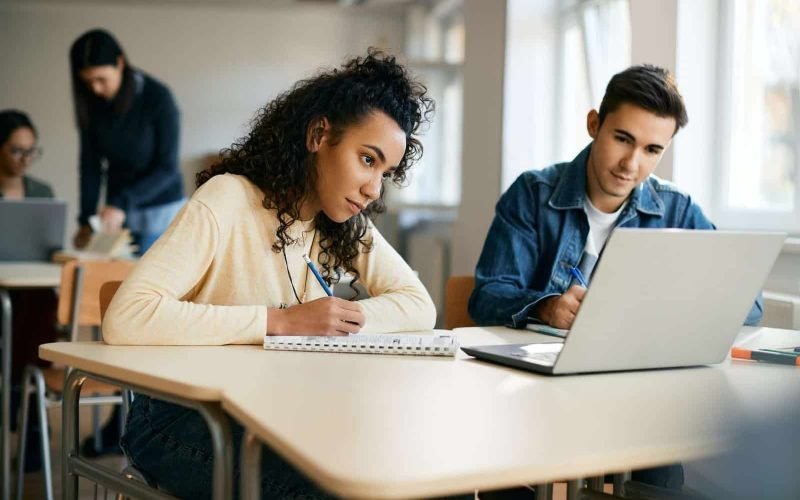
116,245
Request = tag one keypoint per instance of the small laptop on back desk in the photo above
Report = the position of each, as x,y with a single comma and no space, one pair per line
659,298
31,229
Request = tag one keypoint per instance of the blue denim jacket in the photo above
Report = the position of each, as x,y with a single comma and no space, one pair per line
539,233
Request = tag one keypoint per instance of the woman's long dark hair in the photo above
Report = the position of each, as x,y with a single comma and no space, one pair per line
98,47
274,156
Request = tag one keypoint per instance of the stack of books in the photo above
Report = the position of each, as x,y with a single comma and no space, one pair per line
102,246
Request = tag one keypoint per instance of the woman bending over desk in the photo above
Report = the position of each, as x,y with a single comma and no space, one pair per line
307,179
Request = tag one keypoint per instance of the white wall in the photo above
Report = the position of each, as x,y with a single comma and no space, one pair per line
530,94
654,31
222,63
696,71
484,58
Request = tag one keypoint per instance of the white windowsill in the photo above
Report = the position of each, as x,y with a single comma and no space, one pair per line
791,246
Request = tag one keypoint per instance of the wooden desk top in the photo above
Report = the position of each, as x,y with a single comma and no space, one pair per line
29,274
383,426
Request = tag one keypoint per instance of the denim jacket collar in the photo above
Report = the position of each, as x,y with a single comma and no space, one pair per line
570,191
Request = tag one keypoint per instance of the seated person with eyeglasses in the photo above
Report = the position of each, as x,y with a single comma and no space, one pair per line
34,310
18,151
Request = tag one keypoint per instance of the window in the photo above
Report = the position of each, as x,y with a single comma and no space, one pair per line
759,171
559,58
574,99
435,51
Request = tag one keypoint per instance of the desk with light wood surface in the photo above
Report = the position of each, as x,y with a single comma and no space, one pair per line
395,427
192,376
383,426
15,276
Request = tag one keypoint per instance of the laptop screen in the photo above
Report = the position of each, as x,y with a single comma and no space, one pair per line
31,229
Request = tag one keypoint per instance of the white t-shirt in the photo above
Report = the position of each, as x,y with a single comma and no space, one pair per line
600,226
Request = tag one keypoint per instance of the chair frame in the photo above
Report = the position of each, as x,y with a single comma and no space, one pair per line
457,292
34,383
126,482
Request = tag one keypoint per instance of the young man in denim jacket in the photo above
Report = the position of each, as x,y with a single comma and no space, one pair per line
552,220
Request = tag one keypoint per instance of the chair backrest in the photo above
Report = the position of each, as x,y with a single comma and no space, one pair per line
107,291
79,294
456,298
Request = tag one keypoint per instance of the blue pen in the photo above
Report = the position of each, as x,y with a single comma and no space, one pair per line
578,275
317,275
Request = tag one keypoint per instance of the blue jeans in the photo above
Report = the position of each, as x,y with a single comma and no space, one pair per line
144,241
148,224
171,444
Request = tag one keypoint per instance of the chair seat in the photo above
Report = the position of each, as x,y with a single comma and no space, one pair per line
54,381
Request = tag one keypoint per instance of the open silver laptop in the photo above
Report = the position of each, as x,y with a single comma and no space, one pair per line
31,229
659,298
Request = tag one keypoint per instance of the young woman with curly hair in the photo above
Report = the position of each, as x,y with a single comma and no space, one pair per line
229,269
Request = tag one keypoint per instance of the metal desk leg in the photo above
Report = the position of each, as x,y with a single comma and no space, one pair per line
74,466
69,437
221,440
573,489
596,483
544,491
5,397
619,483
251,467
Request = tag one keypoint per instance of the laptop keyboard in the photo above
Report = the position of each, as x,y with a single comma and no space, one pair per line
542,358
539,358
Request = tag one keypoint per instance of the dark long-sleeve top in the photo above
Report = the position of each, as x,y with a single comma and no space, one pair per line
141,150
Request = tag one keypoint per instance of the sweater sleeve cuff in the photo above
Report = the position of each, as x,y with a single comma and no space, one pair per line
121,201
261,322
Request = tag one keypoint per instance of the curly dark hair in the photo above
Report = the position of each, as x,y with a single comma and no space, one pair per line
274,155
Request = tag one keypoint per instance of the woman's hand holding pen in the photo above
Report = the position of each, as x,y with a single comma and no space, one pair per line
559,312
325,316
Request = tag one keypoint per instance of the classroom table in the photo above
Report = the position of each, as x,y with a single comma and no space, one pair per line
382,426
455,426
15,276
193,376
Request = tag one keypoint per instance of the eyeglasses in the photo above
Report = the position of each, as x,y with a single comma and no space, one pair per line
31,154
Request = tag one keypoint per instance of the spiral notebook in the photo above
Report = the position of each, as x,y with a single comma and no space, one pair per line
385,343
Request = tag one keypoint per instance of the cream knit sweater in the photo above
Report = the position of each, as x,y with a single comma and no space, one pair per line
211,277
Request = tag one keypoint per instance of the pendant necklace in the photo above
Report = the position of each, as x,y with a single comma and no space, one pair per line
289,274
